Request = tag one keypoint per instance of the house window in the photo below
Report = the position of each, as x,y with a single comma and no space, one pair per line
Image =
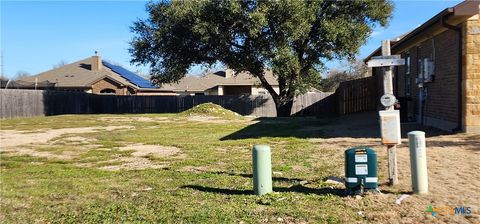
108,91
407,74
261,93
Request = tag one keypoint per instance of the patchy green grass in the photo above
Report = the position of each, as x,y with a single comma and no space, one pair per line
211,183
82,169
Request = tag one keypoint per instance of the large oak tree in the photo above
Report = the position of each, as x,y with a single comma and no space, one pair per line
293,38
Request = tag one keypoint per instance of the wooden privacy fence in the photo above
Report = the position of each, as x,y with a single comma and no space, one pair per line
28,103
357,95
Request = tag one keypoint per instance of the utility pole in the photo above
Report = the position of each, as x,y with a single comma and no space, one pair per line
390,118
388,89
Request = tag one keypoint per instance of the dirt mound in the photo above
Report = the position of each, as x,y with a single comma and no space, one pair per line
211,110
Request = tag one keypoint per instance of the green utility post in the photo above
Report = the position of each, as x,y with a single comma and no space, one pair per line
262,169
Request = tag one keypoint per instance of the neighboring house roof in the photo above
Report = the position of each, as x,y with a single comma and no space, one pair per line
80,75
212,80
243,78
448,16
188,83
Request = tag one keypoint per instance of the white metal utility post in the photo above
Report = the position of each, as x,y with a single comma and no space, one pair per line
391,128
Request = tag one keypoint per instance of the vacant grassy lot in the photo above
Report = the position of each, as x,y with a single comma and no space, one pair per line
172,168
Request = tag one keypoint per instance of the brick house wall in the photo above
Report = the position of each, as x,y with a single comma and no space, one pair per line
451,39
442,95
446,98
441,105
108,84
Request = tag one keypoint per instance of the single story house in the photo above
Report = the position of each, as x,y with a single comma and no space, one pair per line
439,85
222,83
94,75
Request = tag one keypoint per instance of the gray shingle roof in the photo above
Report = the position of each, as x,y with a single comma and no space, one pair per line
80,75
211,80
77,74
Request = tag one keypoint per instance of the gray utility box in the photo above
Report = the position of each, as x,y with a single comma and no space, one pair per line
390,127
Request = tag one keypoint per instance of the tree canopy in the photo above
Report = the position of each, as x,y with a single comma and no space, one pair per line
350,70
21,74
292,38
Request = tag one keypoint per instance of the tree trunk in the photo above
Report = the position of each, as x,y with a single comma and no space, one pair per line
283,106
284,101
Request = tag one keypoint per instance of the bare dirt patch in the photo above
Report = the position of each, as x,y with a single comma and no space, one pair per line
12,138
24,143
452,161
346,142
42,144
453,181
31,152
139,160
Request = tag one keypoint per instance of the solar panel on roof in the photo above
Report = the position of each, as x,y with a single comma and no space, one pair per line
130,76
